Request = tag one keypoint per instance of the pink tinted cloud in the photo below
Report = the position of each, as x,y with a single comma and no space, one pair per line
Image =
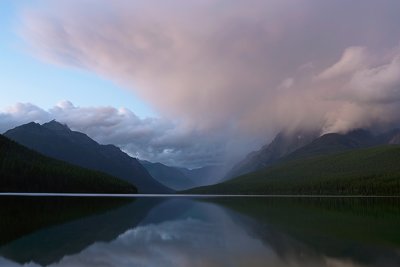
242,68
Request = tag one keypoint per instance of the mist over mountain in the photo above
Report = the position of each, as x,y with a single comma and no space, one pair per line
283,144
205,175
56,140
169,176
297,145
180,178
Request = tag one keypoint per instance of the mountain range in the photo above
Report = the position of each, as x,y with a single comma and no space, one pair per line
179,178
24,170
283,144
357,162
171,176
298,162
296,145
57,141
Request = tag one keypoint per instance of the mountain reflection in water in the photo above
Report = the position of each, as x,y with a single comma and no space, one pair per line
85,232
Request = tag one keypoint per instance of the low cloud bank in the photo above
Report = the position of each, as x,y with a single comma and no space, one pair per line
150,138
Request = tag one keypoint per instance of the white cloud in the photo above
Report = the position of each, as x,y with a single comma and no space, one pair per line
21,113
367,96
353,59
152,139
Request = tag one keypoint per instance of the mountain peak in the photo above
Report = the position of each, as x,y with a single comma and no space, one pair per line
56,140
284,143
56,126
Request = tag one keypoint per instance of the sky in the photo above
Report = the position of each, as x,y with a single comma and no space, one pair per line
194,83
26,78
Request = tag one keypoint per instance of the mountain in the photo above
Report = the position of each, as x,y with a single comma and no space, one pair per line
283,144
56,140
205,175
23,170
286,147
392,137
395,140
365,171
170,176
182,178
335,142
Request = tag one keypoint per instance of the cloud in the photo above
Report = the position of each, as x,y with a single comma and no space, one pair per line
244,69
352,59
21,113
364,96
154,139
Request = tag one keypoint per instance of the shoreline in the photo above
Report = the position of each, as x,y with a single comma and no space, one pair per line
187,195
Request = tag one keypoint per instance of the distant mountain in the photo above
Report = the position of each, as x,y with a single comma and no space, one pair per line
283,144
395,140
23,170
205,175
182,178
335,142
365,171
56,140
392,137
286,147
170,176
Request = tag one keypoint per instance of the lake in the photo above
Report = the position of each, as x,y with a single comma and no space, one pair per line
184,231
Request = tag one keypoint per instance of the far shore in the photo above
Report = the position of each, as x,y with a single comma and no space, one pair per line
186,195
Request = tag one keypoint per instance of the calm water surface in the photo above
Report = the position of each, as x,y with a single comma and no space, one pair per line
87,232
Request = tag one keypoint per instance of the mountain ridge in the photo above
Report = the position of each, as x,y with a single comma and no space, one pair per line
283,144
167,175
24,170
313,145
364,171
56,140
180,178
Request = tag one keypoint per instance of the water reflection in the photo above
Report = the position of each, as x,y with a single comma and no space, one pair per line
187,232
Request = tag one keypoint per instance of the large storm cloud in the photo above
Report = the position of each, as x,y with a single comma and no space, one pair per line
244,69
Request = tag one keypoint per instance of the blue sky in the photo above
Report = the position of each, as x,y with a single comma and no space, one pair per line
26,78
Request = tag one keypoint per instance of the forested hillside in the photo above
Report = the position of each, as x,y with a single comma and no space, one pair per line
23,170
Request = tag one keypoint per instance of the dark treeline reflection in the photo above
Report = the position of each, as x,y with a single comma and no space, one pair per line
23,215
364,230
83,232
46,229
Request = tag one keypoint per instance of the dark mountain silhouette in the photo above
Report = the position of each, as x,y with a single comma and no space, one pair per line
205,175
182,178
170,176
24,170
56,140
